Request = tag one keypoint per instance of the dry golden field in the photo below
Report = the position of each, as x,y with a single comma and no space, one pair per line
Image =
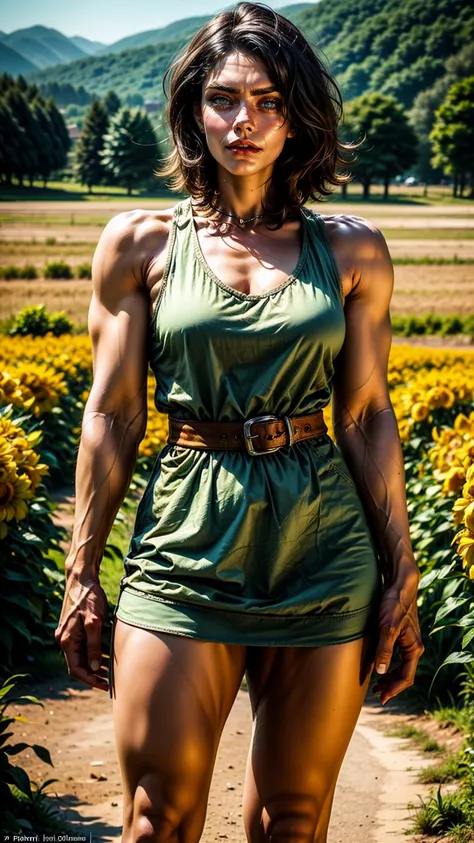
37,232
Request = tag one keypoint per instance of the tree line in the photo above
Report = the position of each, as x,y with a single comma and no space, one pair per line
118,145
392,145
34,140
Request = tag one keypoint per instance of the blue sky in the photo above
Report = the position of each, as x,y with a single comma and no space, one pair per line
106,20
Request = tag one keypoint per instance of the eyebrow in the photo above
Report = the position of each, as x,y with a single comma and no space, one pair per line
255,92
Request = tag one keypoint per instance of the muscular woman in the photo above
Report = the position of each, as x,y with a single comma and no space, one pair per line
261,545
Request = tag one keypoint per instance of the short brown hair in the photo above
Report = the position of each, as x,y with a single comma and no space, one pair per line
308,164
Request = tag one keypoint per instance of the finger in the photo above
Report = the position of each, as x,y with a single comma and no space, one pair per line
384,653
403,677
75,659
93,630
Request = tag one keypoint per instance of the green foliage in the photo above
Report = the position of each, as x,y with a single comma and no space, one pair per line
14,272
59,323
36,321
447,771
33,137
58,269
84,270
112,103
130,149
390,146
89,165
440,813
64,95
379,45
408,326
373,45
29,583
453,132
24,804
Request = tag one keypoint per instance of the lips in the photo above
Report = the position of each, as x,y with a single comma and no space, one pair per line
244,145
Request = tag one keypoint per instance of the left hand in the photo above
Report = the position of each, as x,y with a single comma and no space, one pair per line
398,624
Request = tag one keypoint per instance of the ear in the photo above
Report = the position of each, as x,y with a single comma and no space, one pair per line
198,116
291,133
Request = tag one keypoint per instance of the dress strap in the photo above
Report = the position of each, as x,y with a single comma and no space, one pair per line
322,250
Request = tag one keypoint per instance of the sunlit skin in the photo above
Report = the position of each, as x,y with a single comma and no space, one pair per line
173,694
239,102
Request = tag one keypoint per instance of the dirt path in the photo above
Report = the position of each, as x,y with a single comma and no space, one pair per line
377,781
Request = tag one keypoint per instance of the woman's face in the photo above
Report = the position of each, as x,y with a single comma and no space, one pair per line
239,104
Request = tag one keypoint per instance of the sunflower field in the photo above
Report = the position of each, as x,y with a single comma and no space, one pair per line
44,384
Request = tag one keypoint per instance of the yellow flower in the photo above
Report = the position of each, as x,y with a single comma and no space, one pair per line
462,423
458,509
466,549
469,516
468,489
420,411
13,498
454,480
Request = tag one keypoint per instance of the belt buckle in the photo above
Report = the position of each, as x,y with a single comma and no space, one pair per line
248,436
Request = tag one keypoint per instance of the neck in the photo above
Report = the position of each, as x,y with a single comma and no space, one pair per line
241,196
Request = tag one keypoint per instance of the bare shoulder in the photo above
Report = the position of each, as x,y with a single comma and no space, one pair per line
139,228
128,243
356,231
359,247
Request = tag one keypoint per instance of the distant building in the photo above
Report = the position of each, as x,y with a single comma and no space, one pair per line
74,131
152,107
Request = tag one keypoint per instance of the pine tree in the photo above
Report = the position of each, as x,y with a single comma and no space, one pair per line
112,103
89,166
20,110
63,141
46,139
130,148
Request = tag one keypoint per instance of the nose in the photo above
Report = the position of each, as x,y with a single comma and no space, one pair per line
244,118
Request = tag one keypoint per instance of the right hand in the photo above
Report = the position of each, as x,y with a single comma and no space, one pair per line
79,630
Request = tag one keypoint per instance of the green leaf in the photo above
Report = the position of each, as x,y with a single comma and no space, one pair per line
468,638
458,658
43,753
14,749
20,779
451,603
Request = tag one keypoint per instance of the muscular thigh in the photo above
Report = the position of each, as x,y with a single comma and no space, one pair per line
172,697
305,703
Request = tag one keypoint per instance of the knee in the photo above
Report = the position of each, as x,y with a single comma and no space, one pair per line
154,819
290,823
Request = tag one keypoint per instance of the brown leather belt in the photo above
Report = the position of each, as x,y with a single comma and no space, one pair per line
259,435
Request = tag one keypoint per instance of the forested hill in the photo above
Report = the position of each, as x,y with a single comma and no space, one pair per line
391,46
395,47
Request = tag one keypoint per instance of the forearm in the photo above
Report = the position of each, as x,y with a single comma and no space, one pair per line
105,464
372,450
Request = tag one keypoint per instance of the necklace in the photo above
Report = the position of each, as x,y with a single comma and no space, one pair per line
241,220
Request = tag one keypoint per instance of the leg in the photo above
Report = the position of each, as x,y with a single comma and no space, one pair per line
305,702
172,698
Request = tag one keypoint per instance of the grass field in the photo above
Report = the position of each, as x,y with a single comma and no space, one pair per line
417,232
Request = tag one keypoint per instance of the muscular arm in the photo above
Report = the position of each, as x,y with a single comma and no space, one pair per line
114,422
365,427
366,431
115,414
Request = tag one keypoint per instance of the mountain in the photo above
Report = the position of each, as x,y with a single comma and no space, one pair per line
180,29
42,46
372,45
13,63
89,47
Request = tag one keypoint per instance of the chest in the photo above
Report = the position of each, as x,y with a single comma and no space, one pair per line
252,263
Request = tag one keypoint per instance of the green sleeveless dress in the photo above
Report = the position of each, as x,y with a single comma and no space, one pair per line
228,547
